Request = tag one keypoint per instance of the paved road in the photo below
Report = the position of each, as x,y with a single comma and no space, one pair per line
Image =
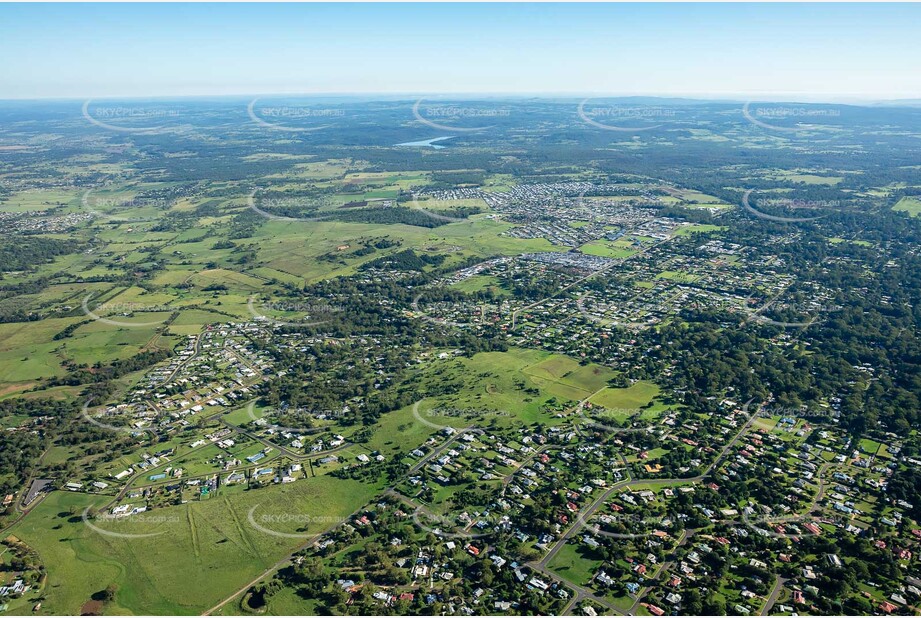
182,364
23,513
773,596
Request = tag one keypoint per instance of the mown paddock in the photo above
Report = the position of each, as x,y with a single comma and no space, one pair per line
567,377
634,397
203,552
911,205
576,563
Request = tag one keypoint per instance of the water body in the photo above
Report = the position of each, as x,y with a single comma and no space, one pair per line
427,143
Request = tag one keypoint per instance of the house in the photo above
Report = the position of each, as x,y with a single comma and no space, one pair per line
604,578
887,607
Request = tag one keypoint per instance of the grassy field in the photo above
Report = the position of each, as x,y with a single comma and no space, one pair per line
576,563
39,199
568,372
699,228
631,398
202,551
293,248
808,177
605,248
911,205
478,283
490,387
680,277
496,381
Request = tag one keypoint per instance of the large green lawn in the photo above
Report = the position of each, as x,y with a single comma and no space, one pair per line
911,205
633,397
576,562
203,552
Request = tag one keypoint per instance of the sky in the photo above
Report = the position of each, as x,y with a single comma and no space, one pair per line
783,51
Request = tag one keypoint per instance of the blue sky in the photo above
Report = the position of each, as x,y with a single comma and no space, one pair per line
791,51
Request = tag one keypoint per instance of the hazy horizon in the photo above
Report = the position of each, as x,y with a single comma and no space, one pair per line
733,98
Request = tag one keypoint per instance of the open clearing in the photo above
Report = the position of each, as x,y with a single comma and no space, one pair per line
911,205
199,553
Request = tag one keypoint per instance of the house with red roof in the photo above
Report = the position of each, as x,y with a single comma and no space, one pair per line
814,529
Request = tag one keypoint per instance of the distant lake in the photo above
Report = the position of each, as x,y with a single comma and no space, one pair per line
427,143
